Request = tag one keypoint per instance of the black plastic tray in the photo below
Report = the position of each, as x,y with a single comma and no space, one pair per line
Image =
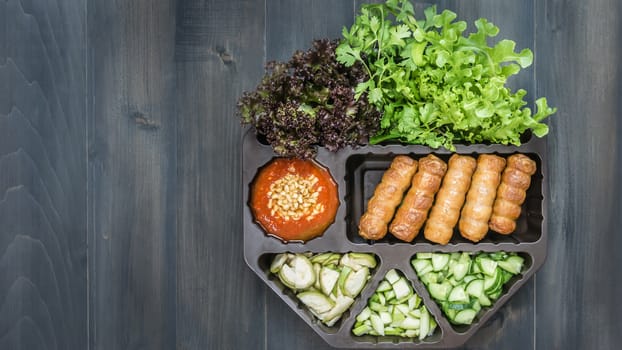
357,172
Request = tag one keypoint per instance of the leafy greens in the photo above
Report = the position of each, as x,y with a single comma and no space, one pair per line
434,84
309,101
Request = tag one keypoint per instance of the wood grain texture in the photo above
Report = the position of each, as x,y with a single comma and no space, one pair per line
42,175
578,69
220,53
118,128
132,173
291,26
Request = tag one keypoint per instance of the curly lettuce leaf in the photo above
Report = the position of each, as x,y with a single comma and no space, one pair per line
435,84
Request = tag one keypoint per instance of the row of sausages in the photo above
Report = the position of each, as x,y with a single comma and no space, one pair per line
477,194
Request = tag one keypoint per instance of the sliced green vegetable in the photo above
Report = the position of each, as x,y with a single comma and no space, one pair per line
328,279
513,264
324,285
488,266
384,286
364,315
440,291
475,288
392,276
355,282
394,310
458,295
465,316
298,273
278,262
422,266
316,301
468,282
342,303
402,289
439,261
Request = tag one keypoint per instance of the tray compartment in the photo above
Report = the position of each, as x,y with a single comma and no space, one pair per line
264,262
487,311
371,339
364,172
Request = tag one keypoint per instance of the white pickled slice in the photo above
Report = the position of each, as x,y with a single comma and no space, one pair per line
355,282
278,262
298,274
316,301
341,305
328,279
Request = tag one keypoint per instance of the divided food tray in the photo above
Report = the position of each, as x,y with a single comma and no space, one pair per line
357,172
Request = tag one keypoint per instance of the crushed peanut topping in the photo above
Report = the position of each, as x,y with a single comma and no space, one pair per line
293,197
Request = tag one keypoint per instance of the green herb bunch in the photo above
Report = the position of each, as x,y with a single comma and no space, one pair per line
308,102
434,84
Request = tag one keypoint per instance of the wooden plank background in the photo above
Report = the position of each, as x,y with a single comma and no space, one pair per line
120,187
43,250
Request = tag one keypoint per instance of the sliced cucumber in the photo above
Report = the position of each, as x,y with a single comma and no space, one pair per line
402,289
377,307
328,279
296,279
278,262
468,282
458,295
495,295
414,301
488,266
317,268
424,255
393,331
465,316
321,283
484,300
475,288
422,266
321,258
390,294
476,306
355,282
403,308
392,276
377,324
424,323
416,313
363,259
384,286
411,333
440,291
494,282
385,316
439,261
462,266
364,315
362,329
513,264
410,323
316,301
341,305
394,310
397,317
341,282
457,306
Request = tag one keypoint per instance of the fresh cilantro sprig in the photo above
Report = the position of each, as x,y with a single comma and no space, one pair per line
436,85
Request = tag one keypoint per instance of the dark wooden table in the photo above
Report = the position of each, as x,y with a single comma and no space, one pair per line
120,172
